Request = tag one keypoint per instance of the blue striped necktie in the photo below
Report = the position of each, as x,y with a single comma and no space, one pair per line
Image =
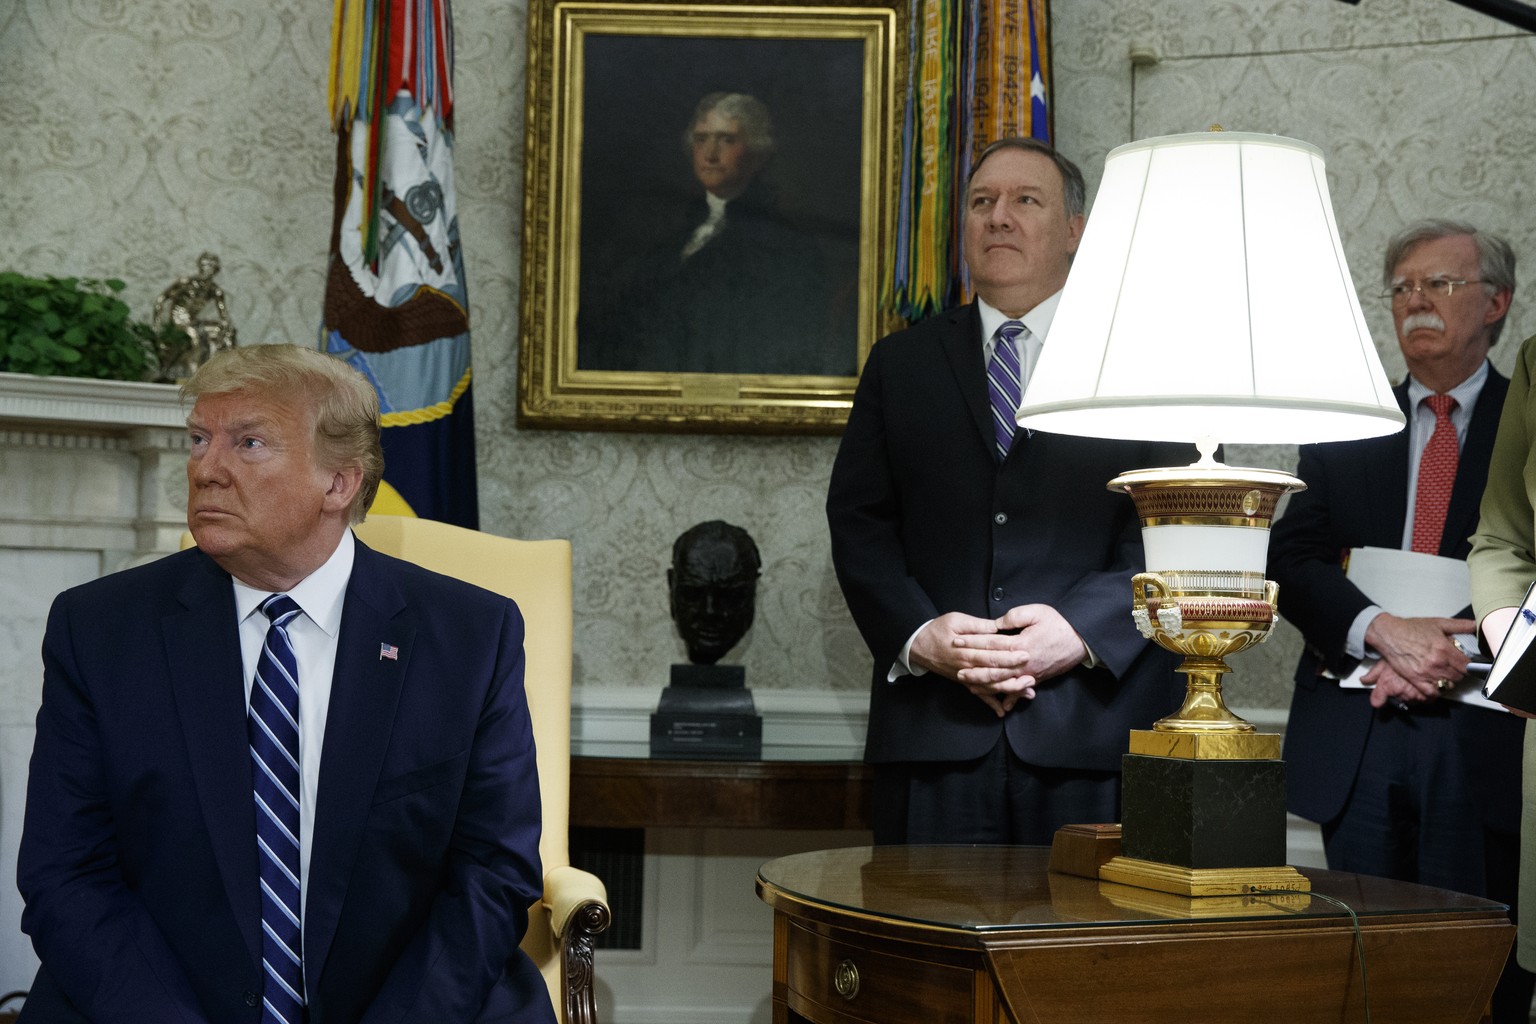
1003,385
274,732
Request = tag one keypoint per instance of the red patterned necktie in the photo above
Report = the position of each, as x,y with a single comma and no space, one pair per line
1437,471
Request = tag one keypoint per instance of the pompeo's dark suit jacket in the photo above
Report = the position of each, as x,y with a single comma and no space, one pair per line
138,858
1357,496
925,520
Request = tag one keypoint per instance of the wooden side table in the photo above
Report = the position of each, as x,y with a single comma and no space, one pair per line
953,935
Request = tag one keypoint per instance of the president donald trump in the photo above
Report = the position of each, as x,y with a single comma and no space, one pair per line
281,777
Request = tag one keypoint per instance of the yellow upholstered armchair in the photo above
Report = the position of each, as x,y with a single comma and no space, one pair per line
537,575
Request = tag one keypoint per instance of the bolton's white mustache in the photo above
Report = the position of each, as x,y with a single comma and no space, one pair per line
1429,321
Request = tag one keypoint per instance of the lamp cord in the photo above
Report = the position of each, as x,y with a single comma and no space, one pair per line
1365,984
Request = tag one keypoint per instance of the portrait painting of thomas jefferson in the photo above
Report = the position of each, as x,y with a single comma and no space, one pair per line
720,206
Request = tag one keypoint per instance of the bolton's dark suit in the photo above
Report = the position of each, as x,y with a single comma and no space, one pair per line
925,520
138,859
1357,496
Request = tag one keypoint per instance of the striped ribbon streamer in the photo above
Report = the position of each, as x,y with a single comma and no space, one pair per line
898,276
378,48
929,220
983,73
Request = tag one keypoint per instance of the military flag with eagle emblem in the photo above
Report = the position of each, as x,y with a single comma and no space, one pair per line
396,305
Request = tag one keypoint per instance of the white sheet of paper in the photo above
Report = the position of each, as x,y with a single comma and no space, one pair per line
1415,585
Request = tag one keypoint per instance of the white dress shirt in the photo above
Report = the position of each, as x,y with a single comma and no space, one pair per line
1029,342
319,596
1421,424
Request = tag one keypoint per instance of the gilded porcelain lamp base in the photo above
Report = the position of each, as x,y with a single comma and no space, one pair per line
1205,528
1203,790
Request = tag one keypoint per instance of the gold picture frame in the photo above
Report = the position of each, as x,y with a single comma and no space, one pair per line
617,332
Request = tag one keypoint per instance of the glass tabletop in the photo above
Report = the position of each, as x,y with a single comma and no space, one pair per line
990,888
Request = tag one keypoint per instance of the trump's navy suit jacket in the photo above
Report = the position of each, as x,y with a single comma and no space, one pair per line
925,520
1357,496
138,859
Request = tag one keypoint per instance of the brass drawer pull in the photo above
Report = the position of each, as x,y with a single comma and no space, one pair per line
846,979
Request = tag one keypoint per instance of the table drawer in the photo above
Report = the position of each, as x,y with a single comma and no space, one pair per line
881,988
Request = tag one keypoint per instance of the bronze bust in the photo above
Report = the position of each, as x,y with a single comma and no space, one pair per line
713,588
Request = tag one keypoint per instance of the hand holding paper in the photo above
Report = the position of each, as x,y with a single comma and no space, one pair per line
1417,653
1420,640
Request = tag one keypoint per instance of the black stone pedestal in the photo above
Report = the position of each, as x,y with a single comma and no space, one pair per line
707,714
1203,813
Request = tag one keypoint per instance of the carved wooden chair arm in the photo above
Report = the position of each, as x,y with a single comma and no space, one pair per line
578,912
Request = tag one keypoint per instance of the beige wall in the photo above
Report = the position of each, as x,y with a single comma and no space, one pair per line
139,134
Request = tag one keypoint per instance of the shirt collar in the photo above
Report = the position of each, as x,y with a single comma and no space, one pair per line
1465,393
319,595
1038,320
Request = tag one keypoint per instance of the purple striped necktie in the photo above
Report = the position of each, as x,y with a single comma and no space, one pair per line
1003,384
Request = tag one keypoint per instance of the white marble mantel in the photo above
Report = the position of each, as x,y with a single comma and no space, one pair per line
75,401
91,465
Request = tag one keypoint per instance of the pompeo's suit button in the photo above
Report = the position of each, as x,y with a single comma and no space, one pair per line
997,593
1001,518
252,999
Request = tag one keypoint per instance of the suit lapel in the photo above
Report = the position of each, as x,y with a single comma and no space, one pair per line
202,643
1472,467
962,347
365,691
1386,473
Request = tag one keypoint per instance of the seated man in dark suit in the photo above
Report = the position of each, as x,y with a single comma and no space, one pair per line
280,777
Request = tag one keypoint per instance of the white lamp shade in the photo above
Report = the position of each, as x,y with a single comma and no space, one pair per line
1210,298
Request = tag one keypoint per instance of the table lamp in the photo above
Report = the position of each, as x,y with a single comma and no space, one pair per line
1210,302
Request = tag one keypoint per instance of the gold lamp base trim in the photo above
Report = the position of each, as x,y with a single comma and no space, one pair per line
1182,881
1196,746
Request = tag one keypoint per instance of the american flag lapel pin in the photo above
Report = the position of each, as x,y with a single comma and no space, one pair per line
389,651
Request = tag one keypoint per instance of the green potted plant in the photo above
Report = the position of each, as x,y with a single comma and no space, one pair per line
71,327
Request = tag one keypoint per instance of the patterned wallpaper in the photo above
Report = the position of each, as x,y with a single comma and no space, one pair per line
141,132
